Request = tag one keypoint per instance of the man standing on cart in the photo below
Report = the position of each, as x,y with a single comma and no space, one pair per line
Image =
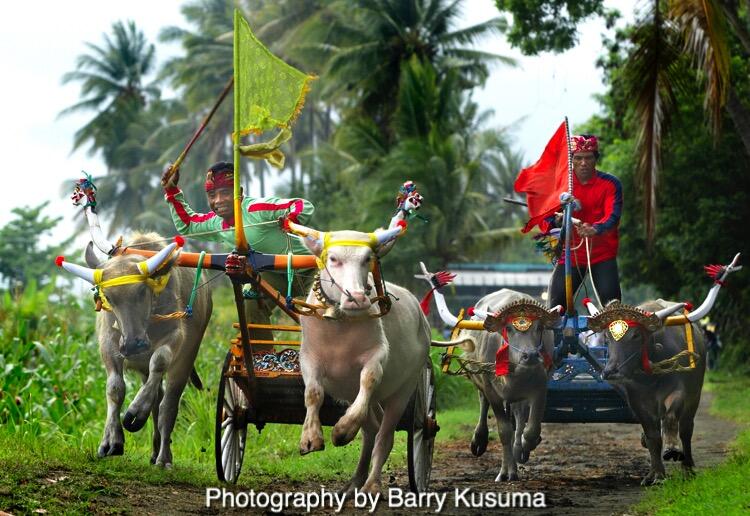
600,198
260,217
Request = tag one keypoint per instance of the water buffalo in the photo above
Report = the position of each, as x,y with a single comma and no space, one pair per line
132,290
640,339
516,384
372,363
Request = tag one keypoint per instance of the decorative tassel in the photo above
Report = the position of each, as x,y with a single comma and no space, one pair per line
645,362
715,272
438,280
502,360
425,303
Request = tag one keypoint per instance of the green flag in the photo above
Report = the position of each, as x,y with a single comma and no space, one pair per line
269,94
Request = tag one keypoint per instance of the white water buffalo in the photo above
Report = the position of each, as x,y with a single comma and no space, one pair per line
518,396
132,291
372,363
638,339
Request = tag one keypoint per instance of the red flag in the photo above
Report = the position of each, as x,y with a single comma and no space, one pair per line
545,180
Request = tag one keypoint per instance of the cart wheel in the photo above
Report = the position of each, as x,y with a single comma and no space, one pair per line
231,427
422,430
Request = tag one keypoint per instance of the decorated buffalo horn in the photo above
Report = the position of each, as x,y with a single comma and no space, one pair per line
97,235
664,312
445,314
151,265
708,303
304,231
385,235
591,307
82,272
467,343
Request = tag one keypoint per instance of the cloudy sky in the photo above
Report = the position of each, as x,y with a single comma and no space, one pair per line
40,41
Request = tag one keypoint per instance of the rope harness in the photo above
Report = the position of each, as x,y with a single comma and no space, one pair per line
157,286
331,309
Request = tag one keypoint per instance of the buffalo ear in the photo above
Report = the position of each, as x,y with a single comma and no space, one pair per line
315,245
385,248
91,260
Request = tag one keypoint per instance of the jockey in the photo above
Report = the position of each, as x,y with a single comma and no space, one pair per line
600,197
260,217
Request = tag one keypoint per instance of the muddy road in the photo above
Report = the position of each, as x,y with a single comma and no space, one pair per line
581,469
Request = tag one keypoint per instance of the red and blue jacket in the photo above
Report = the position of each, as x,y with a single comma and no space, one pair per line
601,206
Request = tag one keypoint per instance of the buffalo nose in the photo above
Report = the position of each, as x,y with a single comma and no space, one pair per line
355,300
130,347
530,356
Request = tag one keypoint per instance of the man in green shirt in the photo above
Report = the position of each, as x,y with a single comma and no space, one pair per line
260,217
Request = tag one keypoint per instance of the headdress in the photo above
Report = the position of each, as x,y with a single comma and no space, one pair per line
584,143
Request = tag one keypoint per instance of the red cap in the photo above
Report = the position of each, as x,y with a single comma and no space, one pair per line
586,301
59,261
179,240
470,311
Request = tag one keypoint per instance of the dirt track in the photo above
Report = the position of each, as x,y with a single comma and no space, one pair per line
591,469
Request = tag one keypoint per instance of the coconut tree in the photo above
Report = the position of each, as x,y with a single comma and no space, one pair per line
666,35
113,84
371,40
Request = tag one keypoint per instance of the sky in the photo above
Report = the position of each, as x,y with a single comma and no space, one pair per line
41,40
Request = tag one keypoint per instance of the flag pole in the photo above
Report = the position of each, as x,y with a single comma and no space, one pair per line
240,242
567,224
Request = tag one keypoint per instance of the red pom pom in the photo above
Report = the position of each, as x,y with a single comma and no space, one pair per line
285,225
179,241
688,306
59,261
401,223
586,301
470,311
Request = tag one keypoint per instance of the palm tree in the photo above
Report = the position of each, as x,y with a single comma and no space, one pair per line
668,34
112,78
369,41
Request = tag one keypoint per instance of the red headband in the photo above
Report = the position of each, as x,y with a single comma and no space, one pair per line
216,180
583,144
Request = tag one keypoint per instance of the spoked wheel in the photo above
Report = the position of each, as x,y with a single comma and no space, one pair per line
422,430
231,426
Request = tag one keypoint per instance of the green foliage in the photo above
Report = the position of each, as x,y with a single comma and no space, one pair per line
23,259
550,25
703,202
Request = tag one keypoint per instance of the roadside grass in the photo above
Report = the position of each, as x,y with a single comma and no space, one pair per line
721,489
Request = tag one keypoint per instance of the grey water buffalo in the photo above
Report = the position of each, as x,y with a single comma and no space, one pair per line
518,394
355,356
132,290
658,361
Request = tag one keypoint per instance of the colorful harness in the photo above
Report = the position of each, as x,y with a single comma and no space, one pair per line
157,285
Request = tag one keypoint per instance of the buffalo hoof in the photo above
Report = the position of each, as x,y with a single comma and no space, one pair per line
340,436
106,450
506,477
653,479
307,445
673,454
479,444
132,423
